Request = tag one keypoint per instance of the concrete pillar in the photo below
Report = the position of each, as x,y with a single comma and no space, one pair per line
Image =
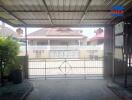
24,64
108,51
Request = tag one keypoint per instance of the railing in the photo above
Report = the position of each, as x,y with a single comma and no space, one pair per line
65,68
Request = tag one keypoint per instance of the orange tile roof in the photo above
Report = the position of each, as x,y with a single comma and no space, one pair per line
56,32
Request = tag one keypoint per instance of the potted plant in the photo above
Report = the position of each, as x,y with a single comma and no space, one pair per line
16,74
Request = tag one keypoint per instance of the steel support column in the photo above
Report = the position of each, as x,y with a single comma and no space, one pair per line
26,56
26,51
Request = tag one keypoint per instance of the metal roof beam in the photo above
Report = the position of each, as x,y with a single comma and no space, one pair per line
6,21
15,11
49,16
10,13
87,6
62,19
60,25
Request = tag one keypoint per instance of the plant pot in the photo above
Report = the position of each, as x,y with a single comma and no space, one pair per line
16,76
5,78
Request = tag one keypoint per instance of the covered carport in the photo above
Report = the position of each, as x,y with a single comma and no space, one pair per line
68,13
64,13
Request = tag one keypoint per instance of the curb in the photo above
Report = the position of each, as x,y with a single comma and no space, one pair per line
119,91
24,96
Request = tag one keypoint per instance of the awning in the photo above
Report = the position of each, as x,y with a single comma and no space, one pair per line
58,13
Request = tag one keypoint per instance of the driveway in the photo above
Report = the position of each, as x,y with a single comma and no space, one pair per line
71,90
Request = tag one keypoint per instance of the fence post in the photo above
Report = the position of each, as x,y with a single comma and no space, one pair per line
84,69
126,72
45,69
65,67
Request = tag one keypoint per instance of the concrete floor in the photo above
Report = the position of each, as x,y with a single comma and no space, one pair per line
71,90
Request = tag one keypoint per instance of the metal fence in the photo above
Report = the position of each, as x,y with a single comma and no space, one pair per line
123,71
65,68
65,61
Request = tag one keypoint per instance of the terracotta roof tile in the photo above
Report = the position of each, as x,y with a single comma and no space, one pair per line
56,32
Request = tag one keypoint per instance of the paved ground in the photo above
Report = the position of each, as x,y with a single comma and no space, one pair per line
71,90
15,91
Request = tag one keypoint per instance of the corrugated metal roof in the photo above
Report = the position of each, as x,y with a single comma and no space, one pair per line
66,5
66,22
66,15
97,15
41,22
6,15
97,3
50,13
31,15
24,5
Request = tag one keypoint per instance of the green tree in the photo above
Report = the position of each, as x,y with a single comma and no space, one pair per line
9,50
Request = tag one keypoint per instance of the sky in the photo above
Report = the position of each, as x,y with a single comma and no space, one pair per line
89,32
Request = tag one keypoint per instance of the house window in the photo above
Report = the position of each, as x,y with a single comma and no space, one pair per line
41,43
31,42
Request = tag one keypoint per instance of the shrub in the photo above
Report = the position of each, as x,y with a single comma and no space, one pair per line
9,50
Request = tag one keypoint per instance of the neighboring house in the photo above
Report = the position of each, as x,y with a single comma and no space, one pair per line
97,39
6,31
56,41
56,36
